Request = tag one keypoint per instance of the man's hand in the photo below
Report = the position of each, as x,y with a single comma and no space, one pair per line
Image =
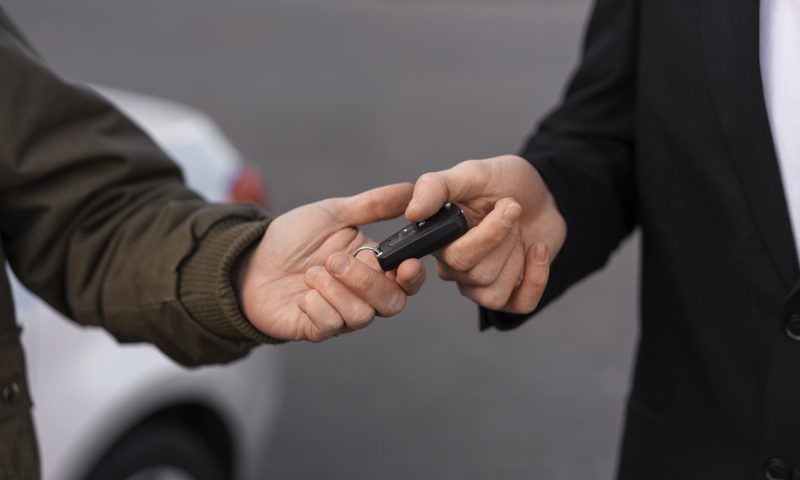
302,283
503,262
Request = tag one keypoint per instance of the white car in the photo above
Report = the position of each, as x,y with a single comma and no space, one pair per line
110,411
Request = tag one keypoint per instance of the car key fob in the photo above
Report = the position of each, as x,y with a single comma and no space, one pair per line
422,238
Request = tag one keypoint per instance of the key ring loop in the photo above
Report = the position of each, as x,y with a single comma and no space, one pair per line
372,249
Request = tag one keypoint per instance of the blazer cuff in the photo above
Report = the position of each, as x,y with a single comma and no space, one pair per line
205,287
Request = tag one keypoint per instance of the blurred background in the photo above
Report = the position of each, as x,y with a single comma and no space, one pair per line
331,97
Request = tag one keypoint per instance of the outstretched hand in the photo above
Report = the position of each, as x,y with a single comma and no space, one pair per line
503,262
301,281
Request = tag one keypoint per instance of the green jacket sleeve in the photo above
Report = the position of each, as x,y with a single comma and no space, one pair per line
96,220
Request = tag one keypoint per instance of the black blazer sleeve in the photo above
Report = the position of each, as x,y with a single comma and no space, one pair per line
584,151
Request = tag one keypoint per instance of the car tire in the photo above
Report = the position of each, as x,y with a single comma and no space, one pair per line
159,447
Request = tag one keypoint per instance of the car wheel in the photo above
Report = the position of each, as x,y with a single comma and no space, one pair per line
159,451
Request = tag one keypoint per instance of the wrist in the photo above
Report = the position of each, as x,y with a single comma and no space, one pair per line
208,286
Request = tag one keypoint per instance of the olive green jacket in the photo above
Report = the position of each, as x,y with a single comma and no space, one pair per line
96,220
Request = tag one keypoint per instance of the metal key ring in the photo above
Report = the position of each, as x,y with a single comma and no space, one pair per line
372,249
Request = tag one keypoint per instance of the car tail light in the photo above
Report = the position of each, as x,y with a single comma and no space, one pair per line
249,187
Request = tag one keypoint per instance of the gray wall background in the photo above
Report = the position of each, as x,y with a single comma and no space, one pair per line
330,97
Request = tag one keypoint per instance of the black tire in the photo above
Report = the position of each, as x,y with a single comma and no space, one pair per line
159,444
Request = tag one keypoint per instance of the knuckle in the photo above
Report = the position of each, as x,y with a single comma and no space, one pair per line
483,275
470,165
315,335
455,260
334,324
479,168
364,281
493,299
427,179
372,203
361,316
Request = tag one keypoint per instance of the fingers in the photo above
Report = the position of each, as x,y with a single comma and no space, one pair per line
480,241
324,321
368,257
496,295
371,285
486,272
410,276
354,312
372,206
515,289
432,190
537,271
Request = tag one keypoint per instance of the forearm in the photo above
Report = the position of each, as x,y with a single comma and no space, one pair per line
97,221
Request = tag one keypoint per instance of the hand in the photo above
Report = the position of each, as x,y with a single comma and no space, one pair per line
301,281
503,262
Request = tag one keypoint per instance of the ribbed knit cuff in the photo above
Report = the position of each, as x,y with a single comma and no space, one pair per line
205,280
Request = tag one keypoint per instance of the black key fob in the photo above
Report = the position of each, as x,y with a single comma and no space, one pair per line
422,238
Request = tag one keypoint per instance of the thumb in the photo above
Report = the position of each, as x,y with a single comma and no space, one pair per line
460,183
382,203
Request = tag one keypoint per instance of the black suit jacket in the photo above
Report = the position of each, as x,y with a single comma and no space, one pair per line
664,128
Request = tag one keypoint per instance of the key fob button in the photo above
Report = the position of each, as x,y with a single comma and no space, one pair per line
422,238
404,233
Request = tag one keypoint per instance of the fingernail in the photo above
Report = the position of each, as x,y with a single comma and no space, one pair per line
511,215
340,264
540,253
